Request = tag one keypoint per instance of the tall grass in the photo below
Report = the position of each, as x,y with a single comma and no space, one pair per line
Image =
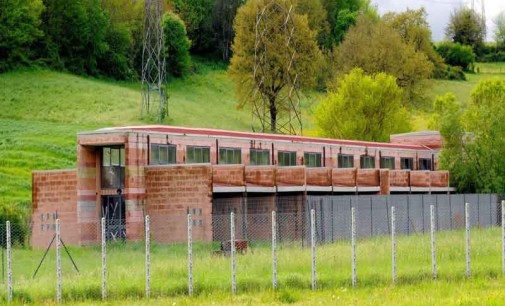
212,273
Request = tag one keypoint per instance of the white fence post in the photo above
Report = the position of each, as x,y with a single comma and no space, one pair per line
274,250
503,234
232,251
58,262
353,248
393,243
9,262
467,226
104,260
190,255
433,242
148,257
313,246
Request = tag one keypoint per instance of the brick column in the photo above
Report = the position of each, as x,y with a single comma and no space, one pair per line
384,181
87,198
136,150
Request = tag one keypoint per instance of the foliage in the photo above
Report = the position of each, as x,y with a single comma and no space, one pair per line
499,33
466,27
75,34
415,31
19,29
475,159
223,14
317,17
456,54
363,107
275,75
342,14
385,52
177,45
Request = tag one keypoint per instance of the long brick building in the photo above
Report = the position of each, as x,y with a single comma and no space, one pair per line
125,173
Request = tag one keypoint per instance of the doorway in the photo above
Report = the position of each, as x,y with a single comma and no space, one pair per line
113,210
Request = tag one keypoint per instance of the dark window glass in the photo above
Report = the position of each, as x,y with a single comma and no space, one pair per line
197,155
112,170
407,163
312,159
387,162
230,156
367,162
163,154
425,164
259,157
345,161
286,158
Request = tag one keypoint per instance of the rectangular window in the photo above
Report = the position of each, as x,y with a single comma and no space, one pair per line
163,154
259,157
286,158
197,155
425,164
312,159
407,163
230,156
387,162
367,162
345,161
113,167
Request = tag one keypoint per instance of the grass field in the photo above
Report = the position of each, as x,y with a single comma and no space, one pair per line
212,274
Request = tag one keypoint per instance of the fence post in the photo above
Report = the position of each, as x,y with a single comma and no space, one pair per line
148,257
467,227
433,242
58,262
313,245
274,250
503,234
353,244
190,255
232,251
9,262
104,260
393,243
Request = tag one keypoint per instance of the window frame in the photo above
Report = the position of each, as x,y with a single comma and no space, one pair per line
340,161
235,152
387,158
255,152
317,158
156,149
402,162
291,158
115,169
197,150
421,166
364,159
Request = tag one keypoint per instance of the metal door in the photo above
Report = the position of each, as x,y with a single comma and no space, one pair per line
113,209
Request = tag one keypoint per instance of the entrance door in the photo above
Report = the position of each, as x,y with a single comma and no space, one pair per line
113,210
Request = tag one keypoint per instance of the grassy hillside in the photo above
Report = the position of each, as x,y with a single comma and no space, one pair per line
42,110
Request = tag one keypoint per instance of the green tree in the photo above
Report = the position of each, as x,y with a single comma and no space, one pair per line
75,34
476,158
467,28
19,29
177,45
457,55
275,75
415,31
222,19
376,47
318,21
363,107
499,32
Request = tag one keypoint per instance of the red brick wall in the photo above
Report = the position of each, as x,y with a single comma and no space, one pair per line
260,175
291,176
232,175
439,178
343,177
171,191
318,176
54,195
420,178
366,177
88,172
399,178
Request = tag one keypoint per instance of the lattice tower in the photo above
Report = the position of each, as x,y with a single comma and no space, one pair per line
153,62
289,119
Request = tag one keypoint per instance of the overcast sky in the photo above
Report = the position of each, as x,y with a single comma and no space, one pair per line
439,12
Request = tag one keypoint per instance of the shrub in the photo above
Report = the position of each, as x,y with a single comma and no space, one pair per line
456,54
177,45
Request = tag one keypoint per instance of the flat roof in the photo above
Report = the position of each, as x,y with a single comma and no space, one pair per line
188,131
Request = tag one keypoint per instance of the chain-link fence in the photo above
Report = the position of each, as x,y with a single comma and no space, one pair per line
244,247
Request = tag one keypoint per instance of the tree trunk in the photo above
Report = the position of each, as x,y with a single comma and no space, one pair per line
273,115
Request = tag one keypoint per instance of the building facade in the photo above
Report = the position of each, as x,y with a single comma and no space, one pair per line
125,173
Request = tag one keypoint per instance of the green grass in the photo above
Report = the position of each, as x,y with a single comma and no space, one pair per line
212,274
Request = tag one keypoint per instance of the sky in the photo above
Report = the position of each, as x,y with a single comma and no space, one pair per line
439,12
